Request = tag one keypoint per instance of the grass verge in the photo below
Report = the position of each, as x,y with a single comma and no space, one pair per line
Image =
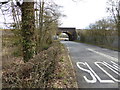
64,76
51,68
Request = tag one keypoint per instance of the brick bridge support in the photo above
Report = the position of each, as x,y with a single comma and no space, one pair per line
71,32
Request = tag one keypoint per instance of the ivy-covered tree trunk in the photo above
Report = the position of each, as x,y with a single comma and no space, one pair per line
118,25
28,26
118,18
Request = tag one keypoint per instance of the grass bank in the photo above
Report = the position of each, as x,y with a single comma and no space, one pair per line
51,68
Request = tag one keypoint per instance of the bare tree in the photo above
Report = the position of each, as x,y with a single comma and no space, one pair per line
114,9
35,23
103,24
48,14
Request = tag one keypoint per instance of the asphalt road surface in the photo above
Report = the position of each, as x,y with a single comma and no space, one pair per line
95,67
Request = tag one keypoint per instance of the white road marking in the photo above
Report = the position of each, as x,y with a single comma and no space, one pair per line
105,55
86,70
116,65
68,49
96,63
94,75
100,80
112,67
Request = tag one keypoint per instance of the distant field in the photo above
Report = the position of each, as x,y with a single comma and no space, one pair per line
1,29
5,29
8,39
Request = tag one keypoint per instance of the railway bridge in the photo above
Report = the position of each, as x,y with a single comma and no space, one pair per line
71,32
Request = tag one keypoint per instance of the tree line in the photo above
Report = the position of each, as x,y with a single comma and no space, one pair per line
113,21
33,22
106,31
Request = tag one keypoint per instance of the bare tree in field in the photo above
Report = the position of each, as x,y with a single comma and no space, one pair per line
114,9
103,24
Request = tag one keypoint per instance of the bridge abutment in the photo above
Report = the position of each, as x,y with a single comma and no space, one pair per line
71,32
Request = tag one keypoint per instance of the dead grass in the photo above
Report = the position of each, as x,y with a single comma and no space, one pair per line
33,74
64,76
50,68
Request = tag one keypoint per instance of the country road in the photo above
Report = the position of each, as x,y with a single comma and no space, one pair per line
95,67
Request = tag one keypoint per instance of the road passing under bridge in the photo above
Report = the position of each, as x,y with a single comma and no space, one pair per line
95,67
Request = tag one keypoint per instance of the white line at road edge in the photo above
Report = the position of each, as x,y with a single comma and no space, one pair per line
102,54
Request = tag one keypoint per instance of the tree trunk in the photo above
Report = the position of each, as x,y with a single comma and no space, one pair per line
41,24
28,25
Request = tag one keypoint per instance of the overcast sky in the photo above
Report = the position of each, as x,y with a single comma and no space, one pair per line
81,14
